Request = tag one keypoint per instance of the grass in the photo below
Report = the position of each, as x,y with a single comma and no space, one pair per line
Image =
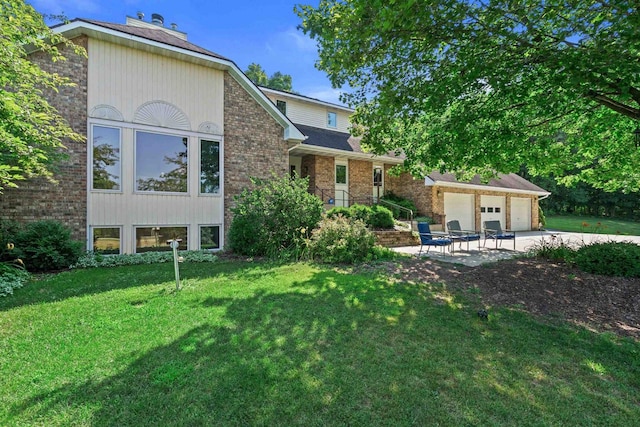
265,344
597,225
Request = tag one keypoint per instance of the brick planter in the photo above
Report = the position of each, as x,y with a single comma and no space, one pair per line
394,238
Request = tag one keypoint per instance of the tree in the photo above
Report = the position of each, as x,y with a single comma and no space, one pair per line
32,133
486,86
277,81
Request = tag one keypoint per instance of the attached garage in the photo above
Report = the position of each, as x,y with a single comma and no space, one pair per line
460,206
520,213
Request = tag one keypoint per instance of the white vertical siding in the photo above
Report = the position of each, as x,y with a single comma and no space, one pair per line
125,78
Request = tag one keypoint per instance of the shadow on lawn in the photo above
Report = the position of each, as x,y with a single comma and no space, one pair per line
49,288
344,349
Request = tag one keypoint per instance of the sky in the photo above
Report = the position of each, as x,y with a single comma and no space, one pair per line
245,31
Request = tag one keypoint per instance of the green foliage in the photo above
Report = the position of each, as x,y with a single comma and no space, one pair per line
341,240
373,216
12,276
554,249
541,218
381,217
401,201
95,259
426,219
274,218
339,211
489,86
31,131
610,259
47,245
277,81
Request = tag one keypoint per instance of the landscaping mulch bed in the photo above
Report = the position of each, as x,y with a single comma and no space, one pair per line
539,287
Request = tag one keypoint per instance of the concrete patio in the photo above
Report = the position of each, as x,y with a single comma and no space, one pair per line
525,241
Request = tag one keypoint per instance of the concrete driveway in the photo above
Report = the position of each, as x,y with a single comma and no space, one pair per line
525,241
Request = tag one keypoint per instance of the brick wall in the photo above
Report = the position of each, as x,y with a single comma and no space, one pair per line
361,180
411,188
66,201
253,143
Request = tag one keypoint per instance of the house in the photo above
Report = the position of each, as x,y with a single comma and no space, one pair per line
173,133
340,172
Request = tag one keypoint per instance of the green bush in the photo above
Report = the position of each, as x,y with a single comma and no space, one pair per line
339,210
46,246
541,218
554,249
341,240
381,217
361,212
12,276
274,218
609,259
401,201
95,259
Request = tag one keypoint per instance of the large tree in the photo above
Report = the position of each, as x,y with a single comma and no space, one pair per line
32,133
277,81
486,86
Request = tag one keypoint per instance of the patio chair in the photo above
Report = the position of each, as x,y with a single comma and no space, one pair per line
430,238
460,235
493,230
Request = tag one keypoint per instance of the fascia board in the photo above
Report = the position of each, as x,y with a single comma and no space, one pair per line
487,188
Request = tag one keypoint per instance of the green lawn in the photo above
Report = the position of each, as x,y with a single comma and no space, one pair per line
598,225
264,344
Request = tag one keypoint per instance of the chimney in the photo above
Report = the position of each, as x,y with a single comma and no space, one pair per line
157,19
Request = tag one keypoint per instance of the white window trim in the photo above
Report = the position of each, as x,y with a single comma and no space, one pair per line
220,166
111,125
136,226
91,235
328,123
220,237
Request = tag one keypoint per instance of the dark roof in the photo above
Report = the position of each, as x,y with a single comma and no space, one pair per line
330,139
508,181
153,34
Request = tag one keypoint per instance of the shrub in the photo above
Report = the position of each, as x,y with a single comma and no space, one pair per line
401,201
47,245
361,212
381,217
338,210
274,218
541,218
341,240
610,259
12,276
554,249
426,219
95,259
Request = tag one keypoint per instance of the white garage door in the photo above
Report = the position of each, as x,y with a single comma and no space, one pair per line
520,214
461,207
493,208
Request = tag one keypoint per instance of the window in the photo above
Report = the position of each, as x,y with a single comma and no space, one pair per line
377,177
483,209
161,162
106,240
332,120
106,158
282,106
341,174
496,210
154,239
210,237
490,210
209,167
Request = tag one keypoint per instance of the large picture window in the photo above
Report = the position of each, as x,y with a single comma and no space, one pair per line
154,239
161,162
209,167
106,158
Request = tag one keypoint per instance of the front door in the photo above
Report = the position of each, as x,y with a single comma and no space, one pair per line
378,182
342,183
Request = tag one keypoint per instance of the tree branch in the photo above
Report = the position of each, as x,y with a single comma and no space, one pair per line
616,106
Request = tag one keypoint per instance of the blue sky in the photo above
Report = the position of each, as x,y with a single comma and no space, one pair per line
244,31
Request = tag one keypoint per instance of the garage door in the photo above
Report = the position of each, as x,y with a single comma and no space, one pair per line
461,207
520,214
493,208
